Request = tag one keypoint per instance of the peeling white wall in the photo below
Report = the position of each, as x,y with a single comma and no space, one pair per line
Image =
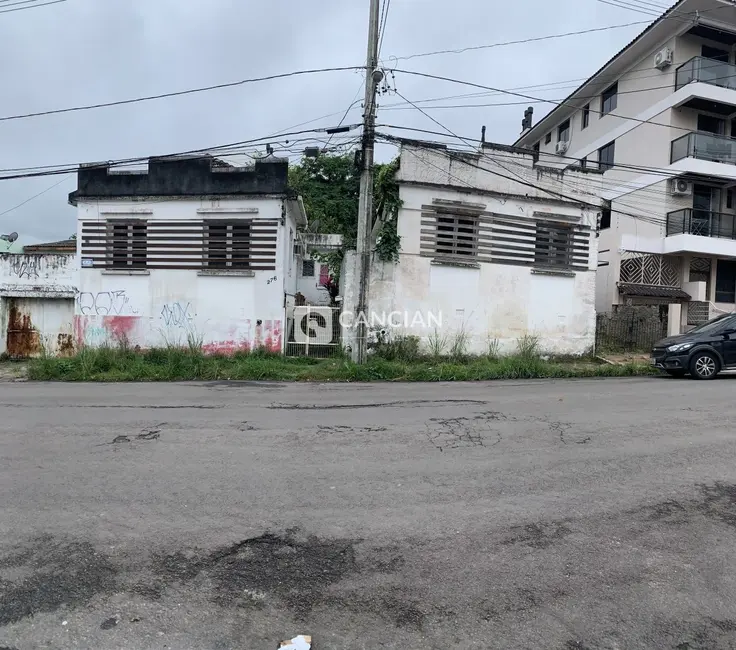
225,312
36,301
43,272
494,301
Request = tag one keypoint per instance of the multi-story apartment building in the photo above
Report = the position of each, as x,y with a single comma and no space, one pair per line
659,119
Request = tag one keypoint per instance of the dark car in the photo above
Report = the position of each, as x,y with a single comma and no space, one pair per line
702,352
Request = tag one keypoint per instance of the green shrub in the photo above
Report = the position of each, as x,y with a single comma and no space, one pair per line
400,348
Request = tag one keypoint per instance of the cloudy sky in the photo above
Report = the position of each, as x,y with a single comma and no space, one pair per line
81,52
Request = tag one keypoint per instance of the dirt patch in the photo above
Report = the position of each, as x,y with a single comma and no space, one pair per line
65,574
10,371
539,535
298,572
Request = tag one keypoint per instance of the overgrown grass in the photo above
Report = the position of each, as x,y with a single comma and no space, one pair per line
181,364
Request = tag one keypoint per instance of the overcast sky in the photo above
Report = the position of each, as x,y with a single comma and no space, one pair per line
89,51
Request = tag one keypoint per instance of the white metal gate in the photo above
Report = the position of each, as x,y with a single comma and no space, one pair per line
314,332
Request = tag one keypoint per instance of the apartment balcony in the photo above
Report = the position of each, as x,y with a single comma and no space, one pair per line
719,80
705,154
700,231
707,71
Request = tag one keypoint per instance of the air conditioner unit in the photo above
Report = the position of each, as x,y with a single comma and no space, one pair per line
561,147
681,187
663,58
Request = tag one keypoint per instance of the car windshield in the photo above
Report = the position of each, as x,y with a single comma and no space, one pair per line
714,324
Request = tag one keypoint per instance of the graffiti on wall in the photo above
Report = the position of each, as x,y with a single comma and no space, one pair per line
178,314
24,267
226,338
104,303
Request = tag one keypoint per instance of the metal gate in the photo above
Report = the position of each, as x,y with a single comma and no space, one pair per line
38,325
314,332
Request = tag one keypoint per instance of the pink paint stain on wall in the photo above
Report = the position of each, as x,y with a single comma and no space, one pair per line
227,348
121,328
98,330
79,323
273,335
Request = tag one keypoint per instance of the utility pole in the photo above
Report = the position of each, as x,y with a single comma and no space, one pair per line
365,204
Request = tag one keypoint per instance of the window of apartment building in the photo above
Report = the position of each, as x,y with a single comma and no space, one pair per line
548,138
227,244
715,53
307,268
563,132
609,99
710,124
726,281
536,146
729,199
605,218
457,236
605,156
128,243
553,245
585,120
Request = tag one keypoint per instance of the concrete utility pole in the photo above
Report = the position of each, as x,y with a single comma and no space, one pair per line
365,204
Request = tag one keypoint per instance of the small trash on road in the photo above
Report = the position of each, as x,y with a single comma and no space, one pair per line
300,642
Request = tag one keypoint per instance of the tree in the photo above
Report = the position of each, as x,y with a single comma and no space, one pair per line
330,187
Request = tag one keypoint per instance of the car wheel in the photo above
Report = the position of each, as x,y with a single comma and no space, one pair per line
675,373
704,365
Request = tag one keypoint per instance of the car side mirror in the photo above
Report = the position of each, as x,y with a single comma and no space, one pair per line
728,332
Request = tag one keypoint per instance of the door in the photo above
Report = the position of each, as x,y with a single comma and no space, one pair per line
39,326
703,203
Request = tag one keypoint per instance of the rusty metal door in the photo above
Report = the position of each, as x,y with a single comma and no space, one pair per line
37,325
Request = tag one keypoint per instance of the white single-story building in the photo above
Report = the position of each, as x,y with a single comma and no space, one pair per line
189,251
494,246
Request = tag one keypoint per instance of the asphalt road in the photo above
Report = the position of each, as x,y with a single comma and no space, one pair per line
557,514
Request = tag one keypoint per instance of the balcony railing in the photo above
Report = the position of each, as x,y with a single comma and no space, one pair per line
705,146
705,223
707,71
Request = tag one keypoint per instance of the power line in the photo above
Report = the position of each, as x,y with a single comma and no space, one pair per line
518,177
519,41
550,36
428,147
543,87
45,4
180,92
384,19
545,101
347,110
53,170
35,196
538,99
648,12
638,168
